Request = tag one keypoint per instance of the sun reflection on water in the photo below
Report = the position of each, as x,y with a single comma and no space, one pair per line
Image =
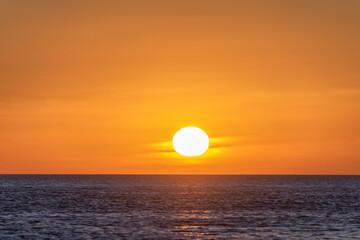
197,231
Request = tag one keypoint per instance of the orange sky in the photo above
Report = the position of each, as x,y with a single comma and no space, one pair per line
102,86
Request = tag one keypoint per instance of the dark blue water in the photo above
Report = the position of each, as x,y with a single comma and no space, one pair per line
179,207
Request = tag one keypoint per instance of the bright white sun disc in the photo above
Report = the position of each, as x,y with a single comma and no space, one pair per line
190,141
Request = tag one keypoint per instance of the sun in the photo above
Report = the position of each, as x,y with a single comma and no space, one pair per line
190,141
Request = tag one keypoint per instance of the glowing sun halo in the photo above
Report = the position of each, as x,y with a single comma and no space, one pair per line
190,141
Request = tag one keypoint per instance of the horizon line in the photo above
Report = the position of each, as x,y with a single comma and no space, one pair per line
174,174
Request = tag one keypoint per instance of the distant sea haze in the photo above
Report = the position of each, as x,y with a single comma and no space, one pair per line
179,207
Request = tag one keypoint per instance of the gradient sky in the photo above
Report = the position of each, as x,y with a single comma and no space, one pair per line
102,86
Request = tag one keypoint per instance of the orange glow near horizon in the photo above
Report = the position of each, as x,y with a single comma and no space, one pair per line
93,87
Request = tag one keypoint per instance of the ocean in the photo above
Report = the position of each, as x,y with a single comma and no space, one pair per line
179,207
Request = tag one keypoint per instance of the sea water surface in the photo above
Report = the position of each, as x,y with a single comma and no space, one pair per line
179,207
